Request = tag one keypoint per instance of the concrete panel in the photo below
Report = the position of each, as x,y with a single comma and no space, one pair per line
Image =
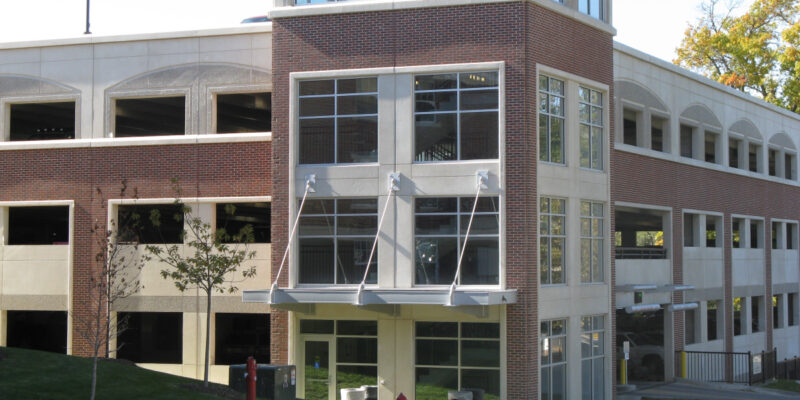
20,56
173,46
634,272
116,50
64,53
33,302
224,43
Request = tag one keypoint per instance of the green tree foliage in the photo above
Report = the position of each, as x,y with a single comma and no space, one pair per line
757,51
208,259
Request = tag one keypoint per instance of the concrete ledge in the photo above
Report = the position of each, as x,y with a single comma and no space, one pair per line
137,141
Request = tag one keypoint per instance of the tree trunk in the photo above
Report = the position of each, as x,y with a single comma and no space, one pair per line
94,377
208,337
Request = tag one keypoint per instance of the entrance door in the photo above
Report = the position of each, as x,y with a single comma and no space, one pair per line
319,384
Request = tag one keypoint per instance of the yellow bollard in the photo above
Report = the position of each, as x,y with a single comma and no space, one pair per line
684,365
623,372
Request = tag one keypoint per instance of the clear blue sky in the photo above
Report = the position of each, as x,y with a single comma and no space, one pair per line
653,26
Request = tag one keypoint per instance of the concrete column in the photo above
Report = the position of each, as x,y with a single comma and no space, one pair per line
747,316
3,225
404,269
699,143
700,231
780,165
744,154
669,345
702,323
780,235
644,134
744,233
3,327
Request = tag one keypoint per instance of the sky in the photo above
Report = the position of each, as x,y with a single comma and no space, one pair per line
653,26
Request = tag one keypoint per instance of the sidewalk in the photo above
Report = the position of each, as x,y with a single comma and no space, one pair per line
686,390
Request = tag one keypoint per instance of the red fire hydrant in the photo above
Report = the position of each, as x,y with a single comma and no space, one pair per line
250,378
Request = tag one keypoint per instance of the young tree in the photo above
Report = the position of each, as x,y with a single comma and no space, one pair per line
756,52
211,262
115,276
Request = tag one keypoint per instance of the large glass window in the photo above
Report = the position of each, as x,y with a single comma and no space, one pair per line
233,217
339,121
593,8
551,120
590,109
440,231
41,121
335,238
593,357
456,116
552,240
592,235
38,225
553,350
453,355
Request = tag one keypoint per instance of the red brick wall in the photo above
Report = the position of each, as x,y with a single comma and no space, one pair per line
519,33
207,170
646,180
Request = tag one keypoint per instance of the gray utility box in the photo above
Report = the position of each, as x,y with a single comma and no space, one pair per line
273,382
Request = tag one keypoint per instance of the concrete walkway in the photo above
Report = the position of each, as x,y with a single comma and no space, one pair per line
705,391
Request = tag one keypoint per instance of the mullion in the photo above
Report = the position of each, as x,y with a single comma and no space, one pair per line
335,132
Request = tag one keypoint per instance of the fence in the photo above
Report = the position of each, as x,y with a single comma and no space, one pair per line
745,368
788,369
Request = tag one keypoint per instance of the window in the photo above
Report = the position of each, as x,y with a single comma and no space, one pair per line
736,232
37,330
688,230
42,121
135,225
712,235
756,232
154,116
453,355
244,112
757,314
777,307
774,235
791,309
151,337
356,350
738,309
791,235
733,152
233,217
456,116
590,109
593,357
753,157
593,8
712,316
711,147
38,225
551,120
687,139
629,127
772,162
690,326
552,240
335,238
238,336
788,165
440,230
657,128
338,121
592,249
553,350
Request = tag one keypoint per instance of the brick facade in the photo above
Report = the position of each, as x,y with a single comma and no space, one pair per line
203,170
521,34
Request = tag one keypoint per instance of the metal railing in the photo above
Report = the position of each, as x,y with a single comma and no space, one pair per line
641,253
731,367
788,369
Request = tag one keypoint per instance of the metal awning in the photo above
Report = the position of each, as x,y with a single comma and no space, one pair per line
370,296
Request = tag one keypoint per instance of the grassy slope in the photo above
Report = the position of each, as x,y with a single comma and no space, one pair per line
788,385
27,374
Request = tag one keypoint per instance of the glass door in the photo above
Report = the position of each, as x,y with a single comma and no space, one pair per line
318,370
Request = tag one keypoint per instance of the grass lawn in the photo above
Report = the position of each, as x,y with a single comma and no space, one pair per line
787,385
28,374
